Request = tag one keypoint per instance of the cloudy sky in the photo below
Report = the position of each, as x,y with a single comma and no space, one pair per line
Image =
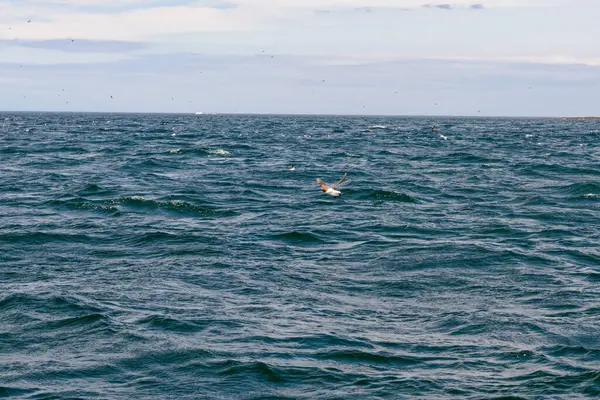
400,57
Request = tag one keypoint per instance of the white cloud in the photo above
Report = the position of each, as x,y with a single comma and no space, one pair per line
137,20
292,27
31,56
320,4
548,60
137,24
358,60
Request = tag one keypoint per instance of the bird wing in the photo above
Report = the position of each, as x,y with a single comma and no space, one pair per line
322,184
341,181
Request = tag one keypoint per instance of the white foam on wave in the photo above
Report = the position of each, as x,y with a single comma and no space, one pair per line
126,199
219,152
175,151
592,196
378,127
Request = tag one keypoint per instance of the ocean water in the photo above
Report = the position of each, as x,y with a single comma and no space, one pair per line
178,257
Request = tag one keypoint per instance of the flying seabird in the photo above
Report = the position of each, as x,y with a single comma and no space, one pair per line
332,190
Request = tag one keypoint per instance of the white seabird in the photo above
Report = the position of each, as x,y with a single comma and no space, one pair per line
332,190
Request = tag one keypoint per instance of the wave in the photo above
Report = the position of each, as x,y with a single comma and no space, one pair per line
469,158
117,206
219,152
298,237
7,391
57,302
367,357
158,130
92,189
378,127
43,237
201,151
177,206
559,169
149,163
86,321
391,196
160,322
88,206
180,207
260,369
582,190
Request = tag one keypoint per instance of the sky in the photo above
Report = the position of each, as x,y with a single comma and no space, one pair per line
391,57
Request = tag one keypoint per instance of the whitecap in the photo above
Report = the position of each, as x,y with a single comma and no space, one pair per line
592,196
219,152
175,151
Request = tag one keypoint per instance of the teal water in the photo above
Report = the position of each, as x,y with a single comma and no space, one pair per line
177,257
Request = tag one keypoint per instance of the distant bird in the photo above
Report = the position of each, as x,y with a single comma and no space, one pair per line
72,40
292,168
332,190
111,97
29,21
433,128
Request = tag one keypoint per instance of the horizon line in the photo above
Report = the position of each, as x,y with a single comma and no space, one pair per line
297,114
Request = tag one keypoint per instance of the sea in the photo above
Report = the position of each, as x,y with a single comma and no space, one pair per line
157,256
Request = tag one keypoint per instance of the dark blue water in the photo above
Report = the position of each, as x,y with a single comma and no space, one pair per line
177,257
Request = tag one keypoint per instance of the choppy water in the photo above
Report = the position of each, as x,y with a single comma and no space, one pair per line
165,256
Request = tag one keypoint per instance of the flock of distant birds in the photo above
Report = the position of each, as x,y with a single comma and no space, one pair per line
262,51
